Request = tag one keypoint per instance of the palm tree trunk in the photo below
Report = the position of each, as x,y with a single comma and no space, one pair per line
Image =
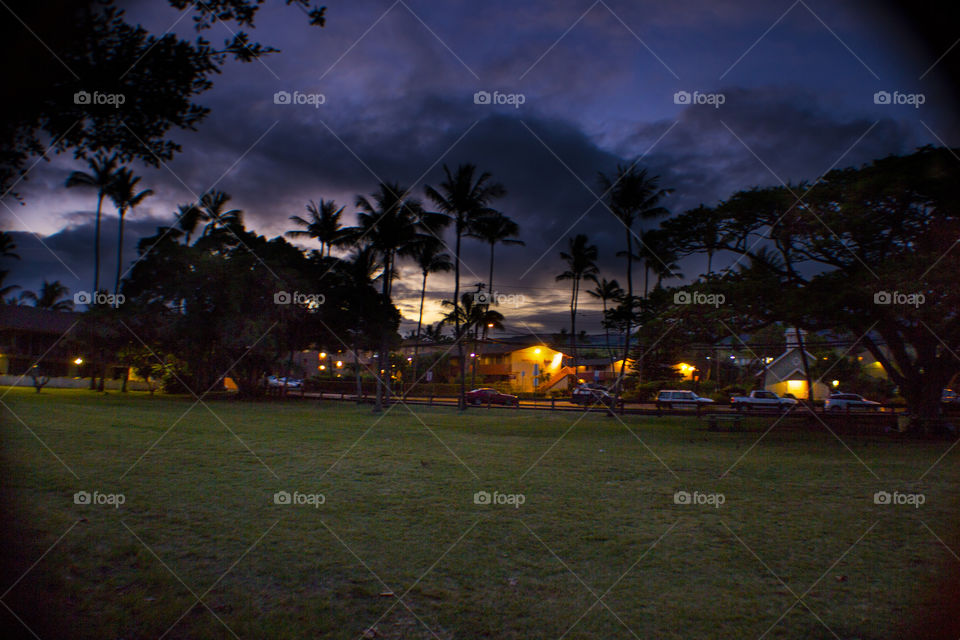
626,338
461,405
356,366
490,281
96,245
116,286
573,325
416,345
383,379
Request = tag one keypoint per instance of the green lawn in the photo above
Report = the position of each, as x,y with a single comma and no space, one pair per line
399,543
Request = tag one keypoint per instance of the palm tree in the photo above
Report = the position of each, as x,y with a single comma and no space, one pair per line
390,222
123,193
492,228
632,195
463,196
581,259
606,291
658,256
189,216
430,259
213,205
53,296
360,270
467,318
8,246
323,225
103,172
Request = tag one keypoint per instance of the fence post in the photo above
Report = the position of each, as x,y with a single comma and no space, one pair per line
431,399
553,404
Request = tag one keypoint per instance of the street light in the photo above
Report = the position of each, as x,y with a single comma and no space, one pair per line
78,361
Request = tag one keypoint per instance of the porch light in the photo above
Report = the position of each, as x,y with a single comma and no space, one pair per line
78,361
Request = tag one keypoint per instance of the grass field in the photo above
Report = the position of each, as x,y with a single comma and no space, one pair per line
399,548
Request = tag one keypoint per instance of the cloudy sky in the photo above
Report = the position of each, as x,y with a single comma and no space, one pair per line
584,86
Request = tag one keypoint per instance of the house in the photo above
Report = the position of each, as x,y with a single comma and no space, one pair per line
785,374
526,366
29,335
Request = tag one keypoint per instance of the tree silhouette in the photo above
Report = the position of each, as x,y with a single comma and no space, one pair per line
53,296
103,173
463,196
123,193
631,195
495,227
606,291
580,257
323,225
430,259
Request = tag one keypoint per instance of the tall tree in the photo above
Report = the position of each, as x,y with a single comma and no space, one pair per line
463,196
323,225
430,259
53,296
581,257
606,291
495,227
389,221
213,205
125,198
103,173
631,195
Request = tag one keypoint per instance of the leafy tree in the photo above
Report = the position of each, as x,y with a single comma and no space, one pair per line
463,196
52,97
850,254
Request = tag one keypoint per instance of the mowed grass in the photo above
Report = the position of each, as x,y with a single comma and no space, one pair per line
399,549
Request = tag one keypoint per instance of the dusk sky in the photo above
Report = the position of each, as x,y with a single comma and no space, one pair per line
597,84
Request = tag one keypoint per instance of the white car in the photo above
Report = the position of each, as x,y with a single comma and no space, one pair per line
289,383
589,394
672,398
844,401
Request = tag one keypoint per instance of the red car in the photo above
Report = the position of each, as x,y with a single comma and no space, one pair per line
491,396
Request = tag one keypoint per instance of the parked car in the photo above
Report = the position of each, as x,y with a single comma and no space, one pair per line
289,383
760,399
844,401
590,394
672,398
949,396
491,396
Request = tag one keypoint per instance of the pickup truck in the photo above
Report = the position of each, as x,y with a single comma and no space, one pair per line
762,400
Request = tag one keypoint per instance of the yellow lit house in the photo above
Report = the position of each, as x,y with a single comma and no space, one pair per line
786,375
534,367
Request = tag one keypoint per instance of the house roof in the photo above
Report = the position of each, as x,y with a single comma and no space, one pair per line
26,318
